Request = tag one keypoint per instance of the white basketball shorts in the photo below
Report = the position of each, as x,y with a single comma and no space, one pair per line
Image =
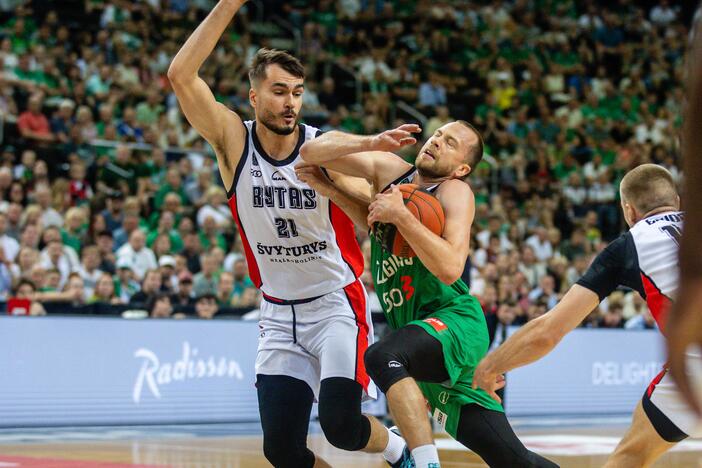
667,410
314,339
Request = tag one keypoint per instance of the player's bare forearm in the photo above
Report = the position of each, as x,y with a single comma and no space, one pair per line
333,145
346,192
202,41
354,208
538,337
529,344
369,157
435,252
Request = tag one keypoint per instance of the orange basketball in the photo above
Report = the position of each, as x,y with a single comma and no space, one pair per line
424,206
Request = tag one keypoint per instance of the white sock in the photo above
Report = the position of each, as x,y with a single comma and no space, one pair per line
396,445
426,456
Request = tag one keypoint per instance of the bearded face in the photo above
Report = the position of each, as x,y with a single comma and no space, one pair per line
278,100
283,123
445,152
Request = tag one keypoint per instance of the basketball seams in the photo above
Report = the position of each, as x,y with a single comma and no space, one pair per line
436,218
431,204
417,202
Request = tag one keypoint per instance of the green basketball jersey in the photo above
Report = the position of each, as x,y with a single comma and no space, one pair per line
407,290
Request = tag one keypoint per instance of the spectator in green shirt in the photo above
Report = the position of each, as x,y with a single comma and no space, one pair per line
244,293
106,118
225,289
73,231
211,236
174,183
148,112
171,204
166,224
99,83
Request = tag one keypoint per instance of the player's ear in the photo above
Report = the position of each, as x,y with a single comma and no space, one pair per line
252,97
462,171
630,214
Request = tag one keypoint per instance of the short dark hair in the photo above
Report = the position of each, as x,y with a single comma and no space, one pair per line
159,296
265,57
476,153
206,297
25,281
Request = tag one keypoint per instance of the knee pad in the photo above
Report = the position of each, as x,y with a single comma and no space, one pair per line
284,404
384,365
340,414
283,455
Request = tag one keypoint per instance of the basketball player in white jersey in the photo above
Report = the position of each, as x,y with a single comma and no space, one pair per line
301,251
685,321
644,259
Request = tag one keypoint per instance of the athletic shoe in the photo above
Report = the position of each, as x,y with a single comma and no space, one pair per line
405,460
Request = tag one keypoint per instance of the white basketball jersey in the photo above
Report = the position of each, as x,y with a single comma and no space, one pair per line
298,244
644,259
657,240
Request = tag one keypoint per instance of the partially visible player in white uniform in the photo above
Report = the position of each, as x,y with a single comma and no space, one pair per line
644,259
301,251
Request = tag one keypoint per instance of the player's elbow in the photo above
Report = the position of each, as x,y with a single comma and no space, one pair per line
308,153
173,73
177,76
548,334
546,340
450,275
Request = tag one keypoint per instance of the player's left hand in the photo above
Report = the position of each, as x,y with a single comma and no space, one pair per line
386,207
489,381
683,329
312,175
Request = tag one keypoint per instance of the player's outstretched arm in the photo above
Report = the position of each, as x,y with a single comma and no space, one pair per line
209,117
535,339
366,156
444,256
351,194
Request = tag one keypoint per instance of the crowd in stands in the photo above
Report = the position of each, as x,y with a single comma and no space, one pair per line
109,196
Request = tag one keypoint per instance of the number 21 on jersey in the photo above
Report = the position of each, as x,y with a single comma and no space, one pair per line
286,227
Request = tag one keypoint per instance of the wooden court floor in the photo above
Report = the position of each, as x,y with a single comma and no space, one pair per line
575,448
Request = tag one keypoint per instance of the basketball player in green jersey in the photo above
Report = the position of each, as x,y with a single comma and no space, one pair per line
439,332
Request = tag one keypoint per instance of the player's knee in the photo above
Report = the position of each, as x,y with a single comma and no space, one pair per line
377,358
340,413
345,431
384,365
282,453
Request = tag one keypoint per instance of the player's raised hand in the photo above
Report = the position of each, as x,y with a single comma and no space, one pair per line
683,330
392,140
312,175
489,381
386,207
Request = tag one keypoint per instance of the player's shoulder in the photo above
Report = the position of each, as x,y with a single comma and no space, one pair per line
235,130
455,188
230,116
619,247
455,195
311,131
393,171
